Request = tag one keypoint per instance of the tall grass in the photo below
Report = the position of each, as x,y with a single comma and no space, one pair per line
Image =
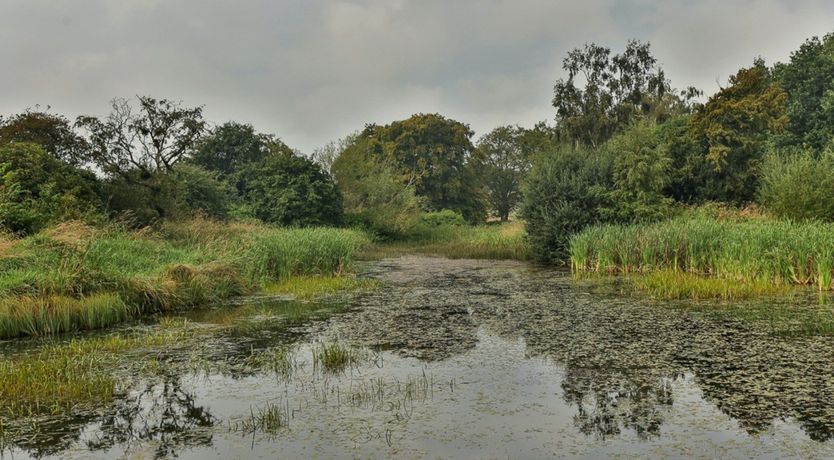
493,241
75,277
743,249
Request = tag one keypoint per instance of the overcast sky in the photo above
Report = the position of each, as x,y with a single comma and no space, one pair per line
313,70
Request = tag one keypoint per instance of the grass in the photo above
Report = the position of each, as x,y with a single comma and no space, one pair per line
333,357
277,360
741,249
311,287
492,241
268,419
76,374
669,285
75,277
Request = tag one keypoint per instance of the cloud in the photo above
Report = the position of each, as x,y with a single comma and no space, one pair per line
316,70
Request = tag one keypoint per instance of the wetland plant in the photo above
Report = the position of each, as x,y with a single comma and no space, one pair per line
268,419
333,357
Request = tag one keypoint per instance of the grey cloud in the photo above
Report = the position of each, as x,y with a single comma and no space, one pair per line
314,70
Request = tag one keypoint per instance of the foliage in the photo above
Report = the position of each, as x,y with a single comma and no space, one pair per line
433,153
141,146
374,195
617,90
288,189
51,131
808,81
737,248
798,185
202,192
566,191
505,156
37,189
734,125
230,147
75,277
446,217
640,171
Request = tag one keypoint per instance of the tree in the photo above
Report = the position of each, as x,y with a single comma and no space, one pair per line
734,125
327,155
141,145
808,80
288,189
640,171
374,195
52,132
504,160
230,147
616,90
434,153
37,189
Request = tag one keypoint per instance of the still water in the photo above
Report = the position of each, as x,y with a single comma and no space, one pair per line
464,359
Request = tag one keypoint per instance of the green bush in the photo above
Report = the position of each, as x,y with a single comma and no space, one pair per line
442,218
566,191
202,191
290,190
798,185
37,189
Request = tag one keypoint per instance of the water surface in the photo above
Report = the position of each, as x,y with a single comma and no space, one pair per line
467,359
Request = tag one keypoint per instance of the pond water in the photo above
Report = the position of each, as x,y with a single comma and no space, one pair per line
464,359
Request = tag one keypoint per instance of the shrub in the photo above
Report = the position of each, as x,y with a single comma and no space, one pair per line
290,190
566,191
37,189
798,185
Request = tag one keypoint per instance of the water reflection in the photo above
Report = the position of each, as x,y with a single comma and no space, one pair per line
487,347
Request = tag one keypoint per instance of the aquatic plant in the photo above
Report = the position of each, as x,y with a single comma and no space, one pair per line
333,357
742,249
75,277
667,284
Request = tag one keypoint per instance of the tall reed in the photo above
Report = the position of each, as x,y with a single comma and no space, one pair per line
742,249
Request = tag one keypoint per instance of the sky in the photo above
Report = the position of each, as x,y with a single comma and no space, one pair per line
312,71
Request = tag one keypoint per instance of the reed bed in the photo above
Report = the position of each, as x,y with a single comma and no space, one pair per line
493,241
75,277
750,250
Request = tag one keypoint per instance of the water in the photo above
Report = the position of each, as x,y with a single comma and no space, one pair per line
469,359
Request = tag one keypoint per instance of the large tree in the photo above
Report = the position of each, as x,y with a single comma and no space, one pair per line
51,131
142,142
231,146
434,153
808,80
734,125
504,160
604,93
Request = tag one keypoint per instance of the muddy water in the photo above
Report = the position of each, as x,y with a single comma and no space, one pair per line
471,359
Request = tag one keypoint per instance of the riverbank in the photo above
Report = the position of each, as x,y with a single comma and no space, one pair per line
77,277
756,251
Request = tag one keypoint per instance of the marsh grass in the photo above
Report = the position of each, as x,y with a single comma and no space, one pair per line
311,287
280,361
755,250
493,241
334,357
269,419
681,285
75,277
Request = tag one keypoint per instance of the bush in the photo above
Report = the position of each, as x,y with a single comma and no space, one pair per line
201,191
566,191
37,189
442,218
798,185
290,190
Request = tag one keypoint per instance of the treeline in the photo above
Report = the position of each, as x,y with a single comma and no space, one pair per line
625,147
